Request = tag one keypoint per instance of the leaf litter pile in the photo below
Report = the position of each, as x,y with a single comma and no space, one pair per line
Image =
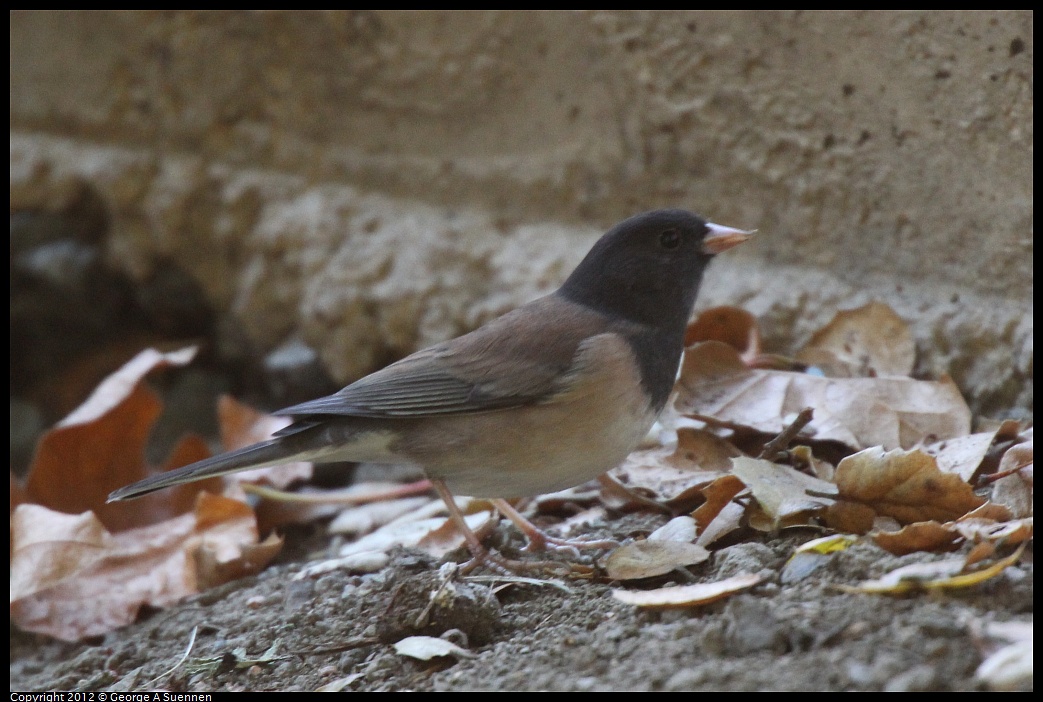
830,450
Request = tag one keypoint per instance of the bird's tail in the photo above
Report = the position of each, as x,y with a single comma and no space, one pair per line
267,453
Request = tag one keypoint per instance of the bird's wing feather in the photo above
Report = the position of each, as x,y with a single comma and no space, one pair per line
478,372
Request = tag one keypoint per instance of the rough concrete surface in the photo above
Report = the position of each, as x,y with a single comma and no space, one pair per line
374,181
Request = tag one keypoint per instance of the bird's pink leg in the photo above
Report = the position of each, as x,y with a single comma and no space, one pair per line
480,555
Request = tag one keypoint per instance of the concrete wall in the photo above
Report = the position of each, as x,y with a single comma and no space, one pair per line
375,181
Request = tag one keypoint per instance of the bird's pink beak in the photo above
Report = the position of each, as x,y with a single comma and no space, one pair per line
723,238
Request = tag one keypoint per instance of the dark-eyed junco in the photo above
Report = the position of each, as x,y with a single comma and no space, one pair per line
545,397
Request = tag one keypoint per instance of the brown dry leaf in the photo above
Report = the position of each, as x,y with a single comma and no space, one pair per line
667,548
189,449
868,342
446,537
990,510
727,520
962,455
652,557
117,386
906,485
731,325
182,498
979,552
101,446
985,530
242,425
89,566
858,412
675,475
920,536
1015,491
990,523
781,491
49,546
718,494
687,595
698,447
850,518
758,519
71,578
804,458
227,536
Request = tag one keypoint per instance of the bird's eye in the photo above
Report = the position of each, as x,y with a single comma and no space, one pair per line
670,239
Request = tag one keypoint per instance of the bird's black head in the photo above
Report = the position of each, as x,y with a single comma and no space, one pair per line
648,268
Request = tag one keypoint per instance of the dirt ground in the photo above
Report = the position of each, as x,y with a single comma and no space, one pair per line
274,632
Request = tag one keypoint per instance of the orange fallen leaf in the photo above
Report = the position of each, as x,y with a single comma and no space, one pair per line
992,511
919,536
100,446
718,494
81,567
850,517
732,325
990,523
906,485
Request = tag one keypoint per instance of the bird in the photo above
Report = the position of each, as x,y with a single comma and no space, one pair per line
545,397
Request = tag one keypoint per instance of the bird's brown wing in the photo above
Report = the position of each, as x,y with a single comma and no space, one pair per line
521,358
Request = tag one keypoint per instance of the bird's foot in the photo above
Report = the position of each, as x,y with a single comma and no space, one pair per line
540,540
